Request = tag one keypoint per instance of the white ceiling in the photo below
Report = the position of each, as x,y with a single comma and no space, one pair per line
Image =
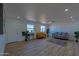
44,12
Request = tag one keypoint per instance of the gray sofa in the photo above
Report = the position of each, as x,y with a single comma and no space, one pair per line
61,35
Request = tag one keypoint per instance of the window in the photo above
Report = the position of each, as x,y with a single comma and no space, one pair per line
30,28
43,28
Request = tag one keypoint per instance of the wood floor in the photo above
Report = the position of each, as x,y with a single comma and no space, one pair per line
43,47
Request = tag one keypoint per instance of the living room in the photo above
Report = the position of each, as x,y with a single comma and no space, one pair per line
34,28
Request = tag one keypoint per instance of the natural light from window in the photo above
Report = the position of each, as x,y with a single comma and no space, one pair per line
43,28
30,28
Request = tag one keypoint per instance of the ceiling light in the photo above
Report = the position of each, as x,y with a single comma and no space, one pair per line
71,17
66,10
18,17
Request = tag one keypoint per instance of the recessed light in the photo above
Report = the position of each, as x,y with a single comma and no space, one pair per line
66,10
71,17
18,17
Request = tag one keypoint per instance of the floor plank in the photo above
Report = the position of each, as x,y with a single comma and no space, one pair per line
43,48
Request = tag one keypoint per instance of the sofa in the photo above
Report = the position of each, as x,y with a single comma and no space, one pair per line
40,35
60,35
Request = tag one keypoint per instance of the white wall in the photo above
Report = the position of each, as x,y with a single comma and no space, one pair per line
15,27
14,30
38,25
